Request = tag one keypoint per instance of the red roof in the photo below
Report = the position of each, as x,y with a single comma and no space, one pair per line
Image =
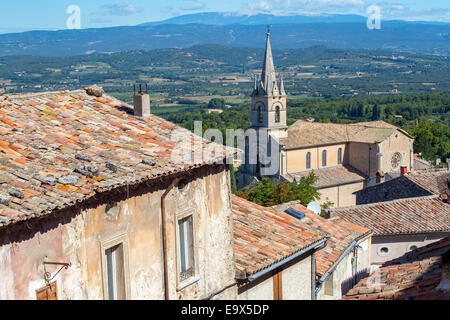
404,216
414,276
342,235
60,148
263,237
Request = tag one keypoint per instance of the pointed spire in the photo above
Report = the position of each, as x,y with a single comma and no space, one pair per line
268,76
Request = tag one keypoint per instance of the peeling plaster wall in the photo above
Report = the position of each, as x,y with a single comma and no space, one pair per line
78,240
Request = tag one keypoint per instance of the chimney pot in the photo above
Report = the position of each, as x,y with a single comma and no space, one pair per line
404,170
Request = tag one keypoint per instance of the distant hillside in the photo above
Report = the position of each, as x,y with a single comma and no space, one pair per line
394,36
218,18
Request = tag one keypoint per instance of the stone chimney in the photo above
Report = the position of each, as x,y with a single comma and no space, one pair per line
445,275
404,170
141,100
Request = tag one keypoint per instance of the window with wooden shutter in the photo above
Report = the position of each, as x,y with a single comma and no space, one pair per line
48,292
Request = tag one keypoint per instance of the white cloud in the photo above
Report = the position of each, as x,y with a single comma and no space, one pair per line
193,6
122,9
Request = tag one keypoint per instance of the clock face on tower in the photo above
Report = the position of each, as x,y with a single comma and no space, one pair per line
396,160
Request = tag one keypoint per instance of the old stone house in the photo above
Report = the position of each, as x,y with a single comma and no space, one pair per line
345,259
275,253
97,203
401,225
346,157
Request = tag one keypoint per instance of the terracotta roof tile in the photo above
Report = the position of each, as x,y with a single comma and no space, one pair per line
341,235
263,237
305,134
411,215
41,134
332,176
414,276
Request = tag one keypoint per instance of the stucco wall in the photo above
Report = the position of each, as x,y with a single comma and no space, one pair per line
342,276
77,239
398,245
341,196
296,282
296,158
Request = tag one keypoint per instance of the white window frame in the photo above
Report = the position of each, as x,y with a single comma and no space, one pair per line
195,278
381,254
121,239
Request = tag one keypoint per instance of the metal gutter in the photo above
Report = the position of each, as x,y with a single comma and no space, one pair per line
343,255
313,270
286,260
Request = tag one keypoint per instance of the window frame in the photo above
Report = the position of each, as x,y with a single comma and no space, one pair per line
121,239
308,160
182,284
324,158
340,156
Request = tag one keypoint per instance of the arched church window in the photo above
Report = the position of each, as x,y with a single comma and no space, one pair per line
277,114
260,114
324,158
308,160
340,156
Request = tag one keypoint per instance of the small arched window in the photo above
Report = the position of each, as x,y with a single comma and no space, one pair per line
324,158
340,156
260,114
277,114
308,160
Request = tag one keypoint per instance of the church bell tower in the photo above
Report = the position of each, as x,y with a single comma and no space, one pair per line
269,99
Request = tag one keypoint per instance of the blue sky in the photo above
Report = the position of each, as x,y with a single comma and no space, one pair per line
20,15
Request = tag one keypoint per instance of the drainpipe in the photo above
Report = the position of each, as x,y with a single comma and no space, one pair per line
164,237
354,244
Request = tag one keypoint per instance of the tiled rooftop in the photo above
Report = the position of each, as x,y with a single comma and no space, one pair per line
333,176
342,234
263,237
404,216
60,148
306,134
414,276
435,181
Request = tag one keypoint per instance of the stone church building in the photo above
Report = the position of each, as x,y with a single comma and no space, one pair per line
346,158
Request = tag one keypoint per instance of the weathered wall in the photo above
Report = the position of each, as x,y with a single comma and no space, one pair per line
398,245
341,279
77,239
296,159
341,196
